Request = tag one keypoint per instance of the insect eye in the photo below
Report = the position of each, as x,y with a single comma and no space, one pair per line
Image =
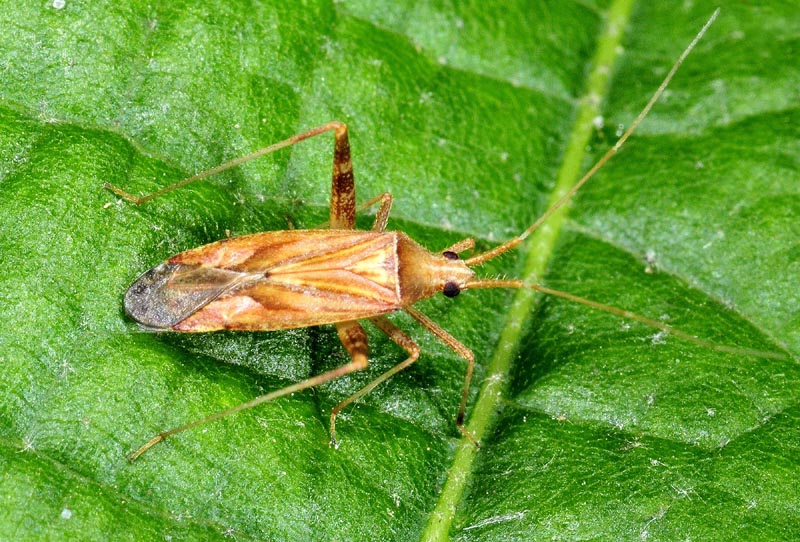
450,255
451,289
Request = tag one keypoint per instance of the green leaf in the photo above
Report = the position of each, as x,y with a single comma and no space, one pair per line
592,427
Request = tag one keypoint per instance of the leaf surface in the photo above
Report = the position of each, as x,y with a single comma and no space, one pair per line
592,427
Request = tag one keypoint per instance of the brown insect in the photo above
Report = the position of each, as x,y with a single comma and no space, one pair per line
300,278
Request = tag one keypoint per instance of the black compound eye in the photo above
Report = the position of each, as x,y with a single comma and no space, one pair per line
451,289
450,255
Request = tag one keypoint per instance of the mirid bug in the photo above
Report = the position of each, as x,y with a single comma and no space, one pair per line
299,278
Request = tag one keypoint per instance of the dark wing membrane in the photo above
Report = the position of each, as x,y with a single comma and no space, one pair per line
170,292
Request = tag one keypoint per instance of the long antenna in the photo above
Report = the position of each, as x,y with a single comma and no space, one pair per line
510,244
490,283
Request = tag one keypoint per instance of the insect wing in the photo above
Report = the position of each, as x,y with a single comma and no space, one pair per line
269,281
170,292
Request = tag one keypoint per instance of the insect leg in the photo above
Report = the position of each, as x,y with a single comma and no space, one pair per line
343,190
381,217
402,340
341,141
452,343
354,339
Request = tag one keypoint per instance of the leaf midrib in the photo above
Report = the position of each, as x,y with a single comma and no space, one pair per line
540,251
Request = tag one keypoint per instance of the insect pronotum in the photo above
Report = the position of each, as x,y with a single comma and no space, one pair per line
300,278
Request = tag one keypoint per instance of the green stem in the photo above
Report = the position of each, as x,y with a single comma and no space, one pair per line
542,243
